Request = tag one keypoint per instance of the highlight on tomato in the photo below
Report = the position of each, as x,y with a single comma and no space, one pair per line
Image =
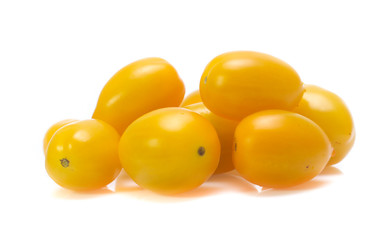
52,130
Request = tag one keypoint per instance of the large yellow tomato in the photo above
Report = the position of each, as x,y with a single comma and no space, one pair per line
225,130
170,150
277,148
242,83
193,97
136,89
84,155
50,132
330,112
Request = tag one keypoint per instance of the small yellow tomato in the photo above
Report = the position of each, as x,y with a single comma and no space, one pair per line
331,113
136,89
50,132
277,148
243,83
225,130
193,97
170,150
84,155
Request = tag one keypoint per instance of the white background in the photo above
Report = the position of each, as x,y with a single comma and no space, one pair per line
55,57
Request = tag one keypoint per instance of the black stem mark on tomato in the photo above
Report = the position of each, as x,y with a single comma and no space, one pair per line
235,147
205,81
201,151
64,162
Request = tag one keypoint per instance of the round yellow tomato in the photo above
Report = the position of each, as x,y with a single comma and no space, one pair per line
136,89
331,113
243,83
170,150
225,130
193,97
84,155
50,132
277,148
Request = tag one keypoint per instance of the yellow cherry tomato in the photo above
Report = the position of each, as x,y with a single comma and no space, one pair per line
277,148
246,82
84,155
136,89
225,130
170,150
331,113
50,132
193,97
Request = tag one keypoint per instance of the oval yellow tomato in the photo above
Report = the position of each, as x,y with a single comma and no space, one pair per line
170,150
84,155
331,113
193,97
50,132
136,89
225,130
247,82
278,149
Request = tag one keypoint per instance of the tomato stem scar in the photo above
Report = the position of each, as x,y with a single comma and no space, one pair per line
64,162
201,151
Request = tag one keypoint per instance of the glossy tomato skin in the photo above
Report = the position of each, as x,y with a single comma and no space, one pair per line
192,98
136,89
330,112
224,57
247,82
50,132
225,130
170,150
278,149
83,155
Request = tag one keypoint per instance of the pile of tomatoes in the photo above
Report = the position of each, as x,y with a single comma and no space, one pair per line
251,113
